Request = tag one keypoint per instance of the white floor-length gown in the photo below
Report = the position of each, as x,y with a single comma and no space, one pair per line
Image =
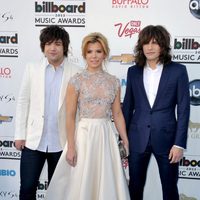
98,174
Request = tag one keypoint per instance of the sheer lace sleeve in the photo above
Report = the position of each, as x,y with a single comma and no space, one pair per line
116,84
75,81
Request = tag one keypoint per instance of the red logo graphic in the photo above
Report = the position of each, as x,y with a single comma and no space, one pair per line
129,29
130,3
5,72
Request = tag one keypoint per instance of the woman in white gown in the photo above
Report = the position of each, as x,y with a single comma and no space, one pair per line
90,167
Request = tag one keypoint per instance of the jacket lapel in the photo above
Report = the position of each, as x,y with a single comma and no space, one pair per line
65,79
41,88
141,85
162,84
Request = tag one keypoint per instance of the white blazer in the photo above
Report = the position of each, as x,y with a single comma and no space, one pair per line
29,120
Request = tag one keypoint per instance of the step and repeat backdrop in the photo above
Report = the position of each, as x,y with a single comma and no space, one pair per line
120,21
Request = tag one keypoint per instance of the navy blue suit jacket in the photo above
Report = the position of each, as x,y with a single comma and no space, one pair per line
167,121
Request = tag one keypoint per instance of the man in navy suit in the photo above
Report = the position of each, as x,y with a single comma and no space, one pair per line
156,108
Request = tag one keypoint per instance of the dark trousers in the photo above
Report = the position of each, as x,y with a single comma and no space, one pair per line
31,165
138,165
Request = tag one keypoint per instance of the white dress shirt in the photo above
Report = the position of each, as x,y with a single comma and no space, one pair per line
151,79
50,136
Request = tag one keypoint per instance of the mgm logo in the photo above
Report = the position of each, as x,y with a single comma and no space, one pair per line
194,126
184,197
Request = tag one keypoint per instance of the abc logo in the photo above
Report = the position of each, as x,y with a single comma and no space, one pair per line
195,8
195,92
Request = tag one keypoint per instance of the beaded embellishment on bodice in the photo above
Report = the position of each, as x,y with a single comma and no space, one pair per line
96,93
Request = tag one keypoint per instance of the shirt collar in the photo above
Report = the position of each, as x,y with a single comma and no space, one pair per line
61,66
159,67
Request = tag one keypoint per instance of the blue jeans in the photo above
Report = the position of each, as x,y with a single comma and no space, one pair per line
31,165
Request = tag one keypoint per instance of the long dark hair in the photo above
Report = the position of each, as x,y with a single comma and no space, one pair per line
162,37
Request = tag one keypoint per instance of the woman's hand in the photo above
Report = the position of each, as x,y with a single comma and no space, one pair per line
126,146
71,157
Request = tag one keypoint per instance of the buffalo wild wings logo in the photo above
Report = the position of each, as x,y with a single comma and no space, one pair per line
130,3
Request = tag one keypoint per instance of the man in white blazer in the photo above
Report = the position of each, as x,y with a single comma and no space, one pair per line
40,131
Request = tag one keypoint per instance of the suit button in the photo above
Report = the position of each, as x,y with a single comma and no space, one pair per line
151,112
148,126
